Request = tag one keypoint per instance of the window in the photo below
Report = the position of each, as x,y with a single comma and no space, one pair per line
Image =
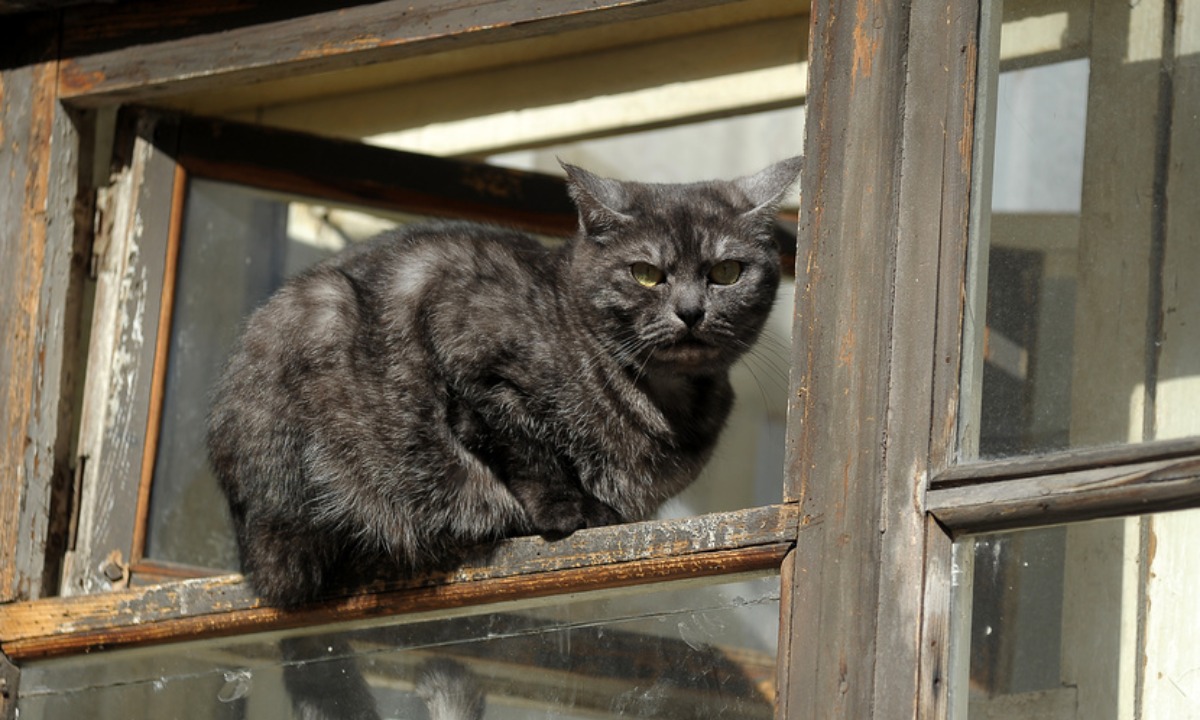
991,475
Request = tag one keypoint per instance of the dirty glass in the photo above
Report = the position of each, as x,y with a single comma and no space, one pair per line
1084,228
1091,620
684,650
237,246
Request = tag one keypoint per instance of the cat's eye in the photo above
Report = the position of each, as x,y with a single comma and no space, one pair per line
646,274
725,272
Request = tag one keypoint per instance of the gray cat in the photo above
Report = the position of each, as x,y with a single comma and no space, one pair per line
411,402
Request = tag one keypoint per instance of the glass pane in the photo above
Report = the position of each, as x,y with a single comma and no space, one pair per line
678,651
1092,620
1085,228
238,245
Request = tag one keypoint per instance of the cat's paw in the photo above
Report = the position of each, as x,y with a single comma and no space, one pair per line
599,514
558,519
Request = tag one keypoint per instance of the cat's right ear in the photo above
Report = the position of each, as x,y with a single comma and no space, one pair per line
600,200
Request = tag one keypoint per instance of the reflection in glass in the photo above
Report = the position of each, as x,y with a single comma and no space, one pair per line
703,652
1085,229
1093,620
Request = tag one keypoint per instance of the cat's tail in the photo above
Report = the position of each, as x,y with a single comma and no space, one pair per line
450,690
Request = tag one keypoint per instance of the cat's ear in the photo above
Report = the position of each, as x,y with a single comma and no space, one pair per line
600,200
765,190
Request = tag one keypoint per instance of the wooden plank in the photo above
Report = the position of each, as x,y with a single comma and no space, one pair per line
885,209
1065,461
1070,496
138,51
747,540
937,624
131,256
841,354
932,233
364,175
40,269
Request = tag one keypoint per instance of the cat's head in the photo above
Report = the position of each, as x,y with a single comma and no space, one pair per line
677,277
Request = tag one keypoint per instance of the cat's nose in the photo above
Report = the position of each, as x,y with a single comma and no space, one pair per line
691,316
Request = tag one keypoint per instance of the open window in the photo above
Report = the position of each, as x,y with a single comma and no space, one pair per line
991,464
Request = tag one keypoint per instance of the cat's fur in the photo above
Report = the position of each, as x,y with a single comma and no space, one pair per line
449,385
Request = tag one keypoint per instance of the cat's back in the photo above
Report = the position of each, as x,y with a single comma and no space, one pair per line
440,257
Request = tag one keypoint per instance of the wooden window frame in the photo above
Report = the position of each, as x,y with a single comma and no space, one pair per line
874,493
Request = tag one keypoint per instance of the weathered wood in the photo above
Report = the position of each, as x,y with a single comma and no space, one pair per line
40,269
934,670
137,52
749,540
362,174
1065,461
885,209
130,256
841,354
1070,496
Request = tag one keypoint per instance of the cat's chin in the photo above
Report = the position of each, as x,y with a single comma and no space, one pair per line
689,356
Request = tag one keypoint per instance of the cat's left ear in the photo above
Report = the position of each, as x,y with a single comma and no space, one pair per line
765,190
601,201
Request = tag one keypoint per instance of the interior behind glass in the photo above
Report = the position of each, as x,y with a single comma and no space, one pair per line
1083,230
690,649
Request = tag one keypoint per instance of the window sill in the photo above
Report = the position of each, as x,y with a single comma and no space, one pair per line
744,541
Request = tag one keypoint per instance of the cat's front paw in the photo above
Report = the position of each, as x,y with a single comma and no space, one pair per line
559,519
599,514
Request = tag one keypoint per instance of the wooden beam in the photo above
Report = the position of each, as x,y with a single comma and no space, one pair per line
40,269
743,541
137,51
1070,496
876,352
1065,461
741,68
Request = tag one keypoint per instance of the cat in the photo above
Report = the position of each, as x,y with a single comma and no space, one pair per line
407,404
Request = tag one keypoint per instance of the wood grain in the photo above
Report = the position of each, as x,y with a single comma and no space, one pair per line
1071,496
875,356
40,266
131,257
742,541
1065,461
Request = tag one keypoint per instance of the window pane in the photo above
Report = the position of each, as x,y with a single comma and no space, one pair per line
1085,229
238,245
1093,620
677,651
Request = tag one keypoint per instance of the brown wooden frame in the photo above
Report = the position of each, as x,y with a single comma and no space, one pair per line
875,494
